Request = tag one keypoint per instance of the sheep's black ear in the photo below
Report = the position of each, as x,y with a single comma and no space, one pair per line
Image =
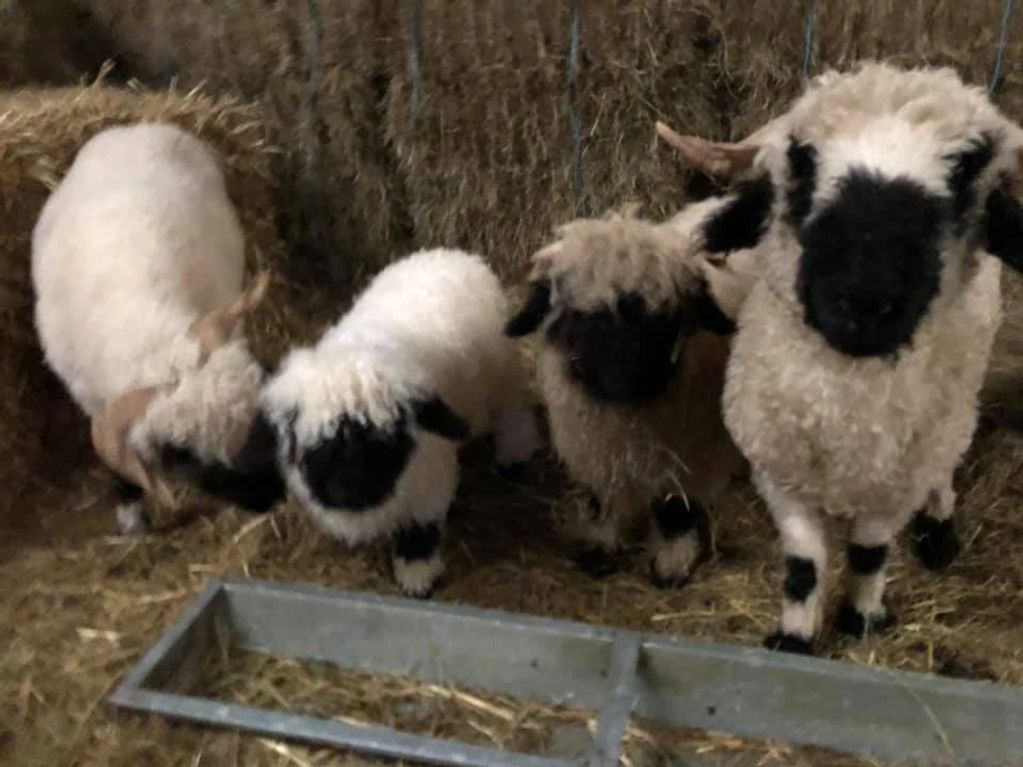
741,222
435,416
1003,228
709,315
537,306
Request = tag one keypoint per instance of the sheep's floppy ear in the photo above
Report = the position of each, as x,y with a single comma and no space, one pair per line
435,416
727,281
215,328
1003,224
1003,228
532,314
715,158
110,440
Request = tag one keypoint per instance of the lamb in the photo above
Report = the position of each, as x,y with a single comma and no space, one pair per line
137,264
632,380
853,381
370,418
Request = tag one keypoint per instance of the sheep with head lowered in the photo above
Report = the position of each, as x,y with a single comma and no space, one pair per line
861,348
137,264
631,370
369,420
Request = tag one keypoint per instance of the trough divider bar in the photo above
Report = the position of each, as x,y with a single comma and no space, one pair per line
622,691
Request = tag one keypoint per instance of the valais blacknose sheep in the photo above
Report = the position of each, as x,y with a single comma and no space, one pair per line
137,262
370,419
632,380
852,386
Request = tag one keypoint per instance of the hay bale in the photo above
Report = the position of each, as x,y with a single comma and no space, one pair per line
487,160
45,438
47,41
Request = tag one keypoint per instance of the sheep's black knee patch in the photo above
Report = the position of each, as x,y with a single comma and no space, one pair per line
674,518
852,621
789,643
417,542
800,578
867,560
936,541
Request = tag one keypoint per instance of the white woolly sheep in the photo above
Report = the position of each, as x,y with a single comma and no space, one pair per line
370,418
137,263
632,382
853,382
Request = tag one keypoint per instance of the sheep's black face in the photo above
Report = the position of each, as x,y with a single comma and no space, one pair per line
358,466
870,263
626,355
253,482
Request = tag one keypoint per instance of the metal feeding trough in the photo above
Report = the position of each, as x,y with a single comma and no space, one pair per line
749,692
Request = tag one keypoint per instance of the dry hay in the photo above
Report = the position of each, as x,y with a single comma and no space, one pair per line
440,711
47,41
45,438
487,161
79,607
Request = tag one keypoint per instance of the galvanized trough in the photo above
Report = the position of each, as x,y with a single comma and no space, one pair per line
749,692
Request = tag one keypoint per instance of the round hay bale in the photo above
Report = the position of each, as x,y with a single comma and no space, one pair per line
45,437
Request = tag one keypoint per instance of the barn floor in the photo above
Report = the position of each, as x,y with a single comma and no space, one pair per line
79,606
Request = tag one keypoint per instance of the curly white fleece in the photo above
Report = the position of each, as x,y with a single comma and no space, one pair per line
869,435
137,242
431,323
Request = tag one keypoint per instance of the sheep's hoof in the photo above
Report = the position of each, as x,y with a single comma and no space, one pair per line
511,472
673,581
424,593
789,643
937,544
852,621
132,519
597,562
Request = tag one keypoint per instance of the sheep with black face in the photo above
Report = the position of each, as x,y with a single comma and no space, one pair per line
853,382
138,265
370,418
632,381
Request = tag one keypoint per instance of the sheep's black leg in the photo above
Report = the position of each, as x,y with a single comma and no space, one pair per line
417,558
864,611
934,534
131,511
598,555
675,541
802,537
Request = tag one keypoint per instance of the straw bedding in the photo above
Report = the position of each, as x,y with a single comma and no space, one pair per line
485,163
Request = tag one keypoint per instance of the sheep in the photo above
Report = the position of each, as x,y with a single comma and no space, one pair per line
861,348
137,266
370,418
632,380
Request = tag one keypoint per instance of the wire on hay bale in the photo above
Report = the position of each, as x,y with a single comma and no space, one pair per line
45,438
